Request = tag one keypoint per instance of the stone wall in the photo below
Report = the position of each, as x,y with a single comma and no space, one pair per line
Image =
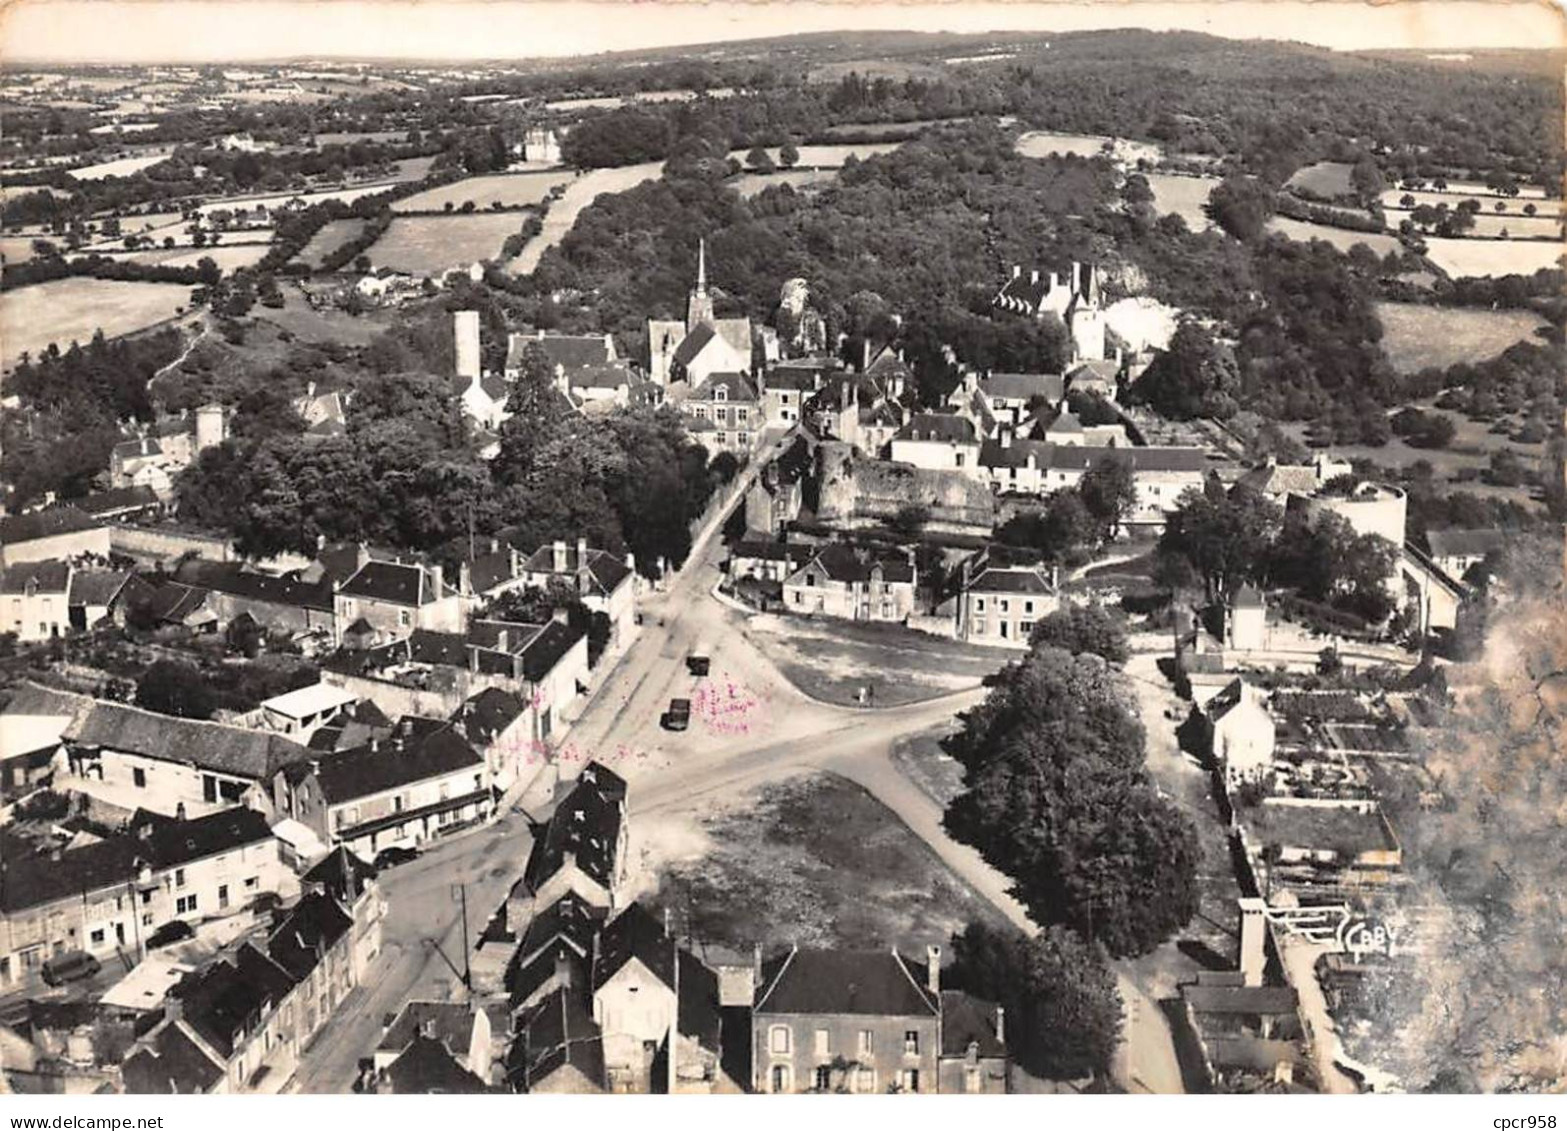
854,490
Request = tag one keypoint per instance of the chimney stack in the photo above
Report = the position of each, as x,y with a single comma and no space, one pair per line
933,969
437,581
1254,934
1033,277
557,557
1001,1024
1017,270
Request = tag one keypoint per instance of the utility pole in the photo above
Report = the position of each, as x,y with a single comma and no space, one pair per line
467,960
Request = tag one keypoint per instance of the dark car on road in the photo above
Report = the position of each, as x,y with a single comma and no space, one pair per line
175,930
678,717
392,857
698,664
71,966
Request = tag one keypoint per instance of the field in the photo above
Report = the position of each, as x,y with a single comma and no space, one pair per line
1341,238
750,184
349,138
433,245
124,167
331,236
16,249
226,256
832,660
1500,225
888,131
308,324
812,860
1325,179
67,310
413,169
1492,257
579,194
1184,196
1417,336
513,190
827,156
868,69
1393,196
1037,143
346,195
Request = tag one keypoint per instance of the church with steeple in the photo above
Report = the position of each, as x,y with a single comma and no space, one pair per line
703,344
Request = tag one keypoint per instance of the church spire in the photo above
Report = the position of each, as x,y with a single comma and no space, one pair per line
699,306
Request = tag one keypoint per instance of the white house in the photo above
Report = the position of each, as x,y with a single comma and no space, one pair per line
1243,732
937,442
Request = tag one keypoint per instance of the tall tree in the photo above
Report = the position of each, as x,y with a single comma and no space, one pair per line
1063,1011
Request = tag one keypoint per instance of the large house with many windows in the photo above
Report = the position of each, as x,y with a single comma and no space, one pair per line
725,412
870,1022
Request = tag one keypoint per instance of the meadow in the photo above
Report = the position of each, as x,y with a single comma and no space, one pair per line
124,167
1481,258
1415,337
1037,143
513,190
228,257
67,310
328,238
1341,238
1326,179
1183,196
750,184
433,245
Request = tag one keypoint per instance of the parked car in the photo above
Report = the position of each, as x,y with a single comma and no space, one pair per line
175,930
71,966
678,717
698,664
392,857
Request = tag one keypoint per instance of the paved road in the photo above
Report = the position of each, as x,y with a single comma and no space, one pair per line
749,725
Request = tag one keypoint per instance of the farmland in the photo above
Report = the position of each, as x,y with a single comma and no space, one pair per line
1039,144
331,236
1326,179
750,184
1418,336
1500,225
1341,238
513,190
828,156
1492,257
1183,196
124,167
433,245
228,257
67,310
579,194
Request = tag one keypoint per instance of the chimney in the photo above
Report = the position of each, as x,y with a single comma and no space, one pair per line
865,354
582,553
437,581
560,616
310,388
1017,270
1001,1024
179,811
557,557
1006,438
464,578
933,969
631,561
1033,277
756,961
1254,934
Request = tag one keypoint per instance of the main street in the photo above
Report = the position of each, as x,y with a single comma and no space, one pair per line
749,726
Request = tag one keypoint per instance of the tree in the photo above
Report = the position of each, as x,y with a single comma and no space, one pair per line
1062,1008
1242,207
788,156
760,160
1056,797
1195,376
1222,537
1078,628
174,688
1109,493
